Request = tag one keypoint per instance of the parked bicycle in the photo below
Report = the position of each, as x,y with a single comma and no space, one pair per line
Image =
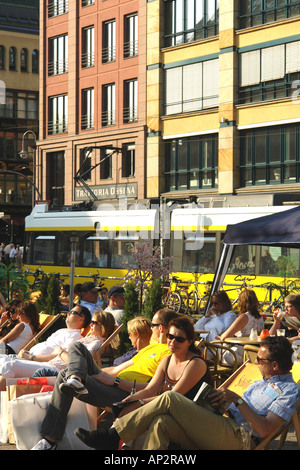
198,300
176,298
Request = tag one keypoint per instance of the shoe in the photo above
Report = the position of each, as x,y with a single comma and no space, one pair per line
73,387
43,444
99,440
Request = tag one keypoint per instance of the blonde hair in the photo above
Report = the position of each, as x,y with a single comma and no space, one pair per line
140,326
107,322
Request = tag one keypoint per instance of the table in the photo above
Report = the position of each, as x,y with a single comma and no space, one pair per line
242,340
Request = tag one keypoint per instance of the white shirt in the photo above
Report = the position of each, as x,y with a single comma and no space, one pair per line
62,338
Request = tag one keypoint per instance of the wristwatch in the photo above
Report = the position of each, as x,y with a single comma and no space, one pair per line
117,381
239,402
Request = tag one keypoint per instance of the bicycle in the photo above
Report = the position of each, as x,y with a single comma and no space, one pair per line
197,300
240,287
177,299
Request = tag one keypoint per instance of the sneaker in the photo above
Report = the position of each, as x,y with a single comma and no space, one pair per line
43,444
99,440
73,387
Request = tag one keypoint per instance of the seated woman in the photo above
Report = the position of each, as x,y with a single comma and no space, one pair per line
248,318
183,371
218,318
291,318
27,326
11,314
140,332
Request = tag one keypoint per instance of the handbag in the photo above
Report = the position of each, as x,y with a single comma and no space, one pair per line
28,412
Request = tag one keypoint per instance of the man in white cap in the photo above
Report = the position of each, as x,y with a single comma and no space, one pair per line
116,302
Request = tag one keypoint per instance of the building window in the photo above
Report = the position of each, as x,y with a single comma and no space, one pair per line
131,36
190,20
86,3
85,163
20,105
191,163
128,160
130,101
58,55
2,58
88,48
106,155
269,73
109,41
35,61
24,60
108,105
87,117
255,13
57,7
58,114
192,87
270,155
56,177
12,58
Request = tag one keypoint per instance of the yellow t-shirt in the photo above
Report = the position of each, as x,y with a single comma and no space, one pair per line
145,363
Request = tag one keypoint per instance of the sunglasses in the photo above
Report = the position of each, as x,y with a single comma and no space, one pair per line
73,312
179,339
260,359
94,322
154,324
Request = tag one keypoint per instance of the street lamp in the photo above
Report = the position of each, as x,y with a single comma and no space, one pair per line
24,155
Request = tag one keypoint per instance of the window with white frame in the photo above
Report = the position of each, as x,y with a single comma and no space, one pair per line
58,55
109,41
58,114
131,35
88,47
108,105
57,7
130,100
87,116
192,87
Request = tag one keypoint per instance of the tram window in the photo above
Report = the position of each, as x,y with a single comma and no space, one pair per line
121,251
279,261
243,261
44,249
95,252
199,254
63,251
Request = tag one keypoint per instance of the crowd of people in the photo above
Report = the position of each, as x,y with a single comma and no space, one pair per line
11,253
157,379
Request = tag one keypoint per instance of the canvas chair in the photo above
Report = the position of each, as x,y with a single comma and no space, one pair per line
240,381
213,354
250,352
45,322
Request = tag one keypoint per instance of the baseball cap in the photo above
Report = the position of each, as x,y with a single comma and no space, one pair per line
116,290
89,286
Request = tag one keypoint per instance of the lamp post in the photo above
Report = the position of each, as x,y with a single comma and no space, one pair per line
24,155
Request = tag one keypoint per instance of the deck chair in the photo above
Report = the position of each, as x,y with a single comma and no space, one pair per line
250,352
213,354
240,381
45,321
109,348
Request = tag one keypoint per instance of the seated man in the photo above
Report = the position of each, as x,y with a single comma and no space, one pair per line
116,301
85,380
171,417
28,362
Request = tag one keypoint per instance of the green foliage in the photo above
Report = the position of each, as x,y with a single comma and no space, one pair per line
13,282
153,301
49,299
131,310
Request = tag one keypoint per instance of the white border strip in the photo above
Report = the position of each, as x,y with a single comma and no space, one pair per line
190,134
266,124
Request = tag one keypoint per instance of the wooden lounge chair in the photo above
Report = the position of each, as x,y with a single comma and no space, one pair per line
219,369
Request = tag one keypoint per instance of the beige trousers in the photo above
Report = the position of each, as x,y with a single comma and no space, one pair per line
173,418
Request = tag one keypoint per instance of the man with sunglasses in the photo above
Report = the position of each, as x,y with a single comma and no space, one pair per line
171,417
28,362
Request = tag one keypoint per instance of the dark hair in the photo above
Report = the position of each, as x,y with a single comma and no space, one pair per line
185,324
222,297
87,314
31,311
248,302
165,315
66,288
280,351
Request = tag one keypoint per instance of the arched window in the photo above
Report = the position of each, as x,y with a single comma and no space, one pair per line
12,58
2,58
35,61
24,60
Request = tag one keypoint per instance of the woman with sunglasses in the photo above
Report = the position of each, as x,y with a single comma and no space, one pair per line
11,314
218,318
28,326
183,371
